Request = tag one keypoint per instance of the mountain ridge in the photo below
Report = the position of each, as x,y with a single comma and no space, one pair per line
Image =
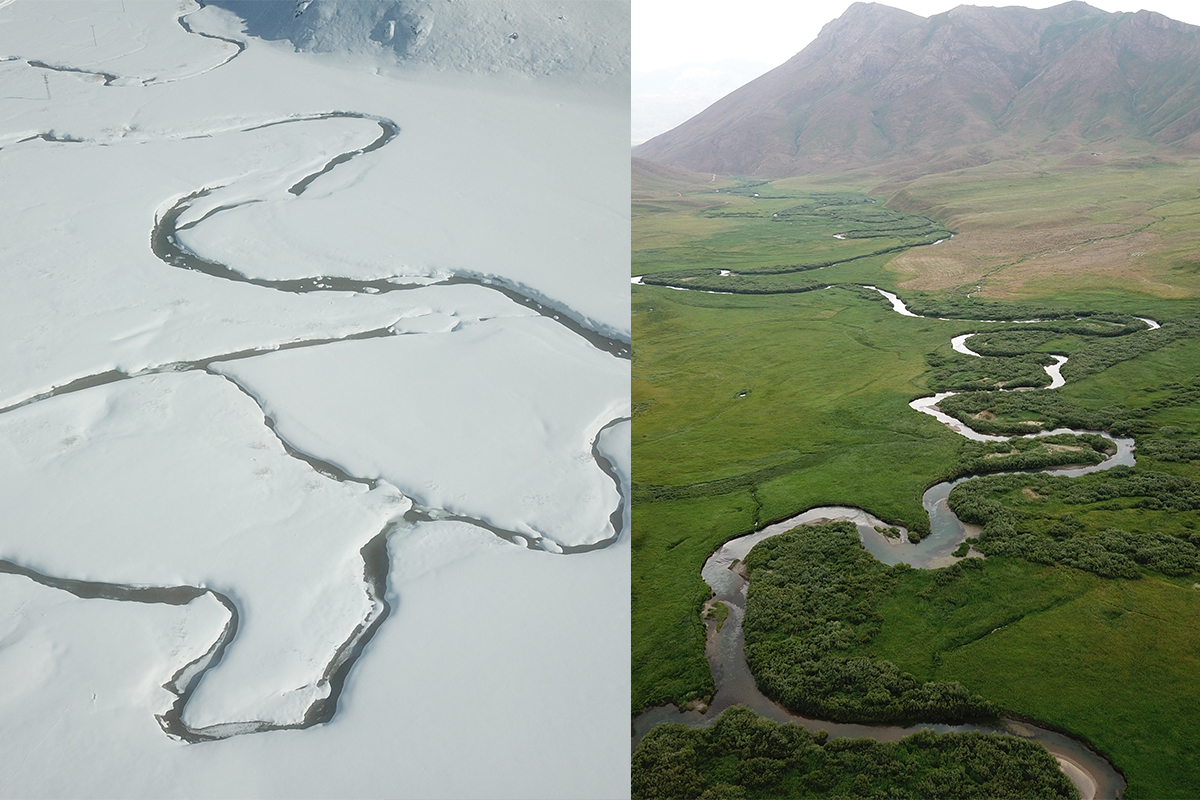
974,84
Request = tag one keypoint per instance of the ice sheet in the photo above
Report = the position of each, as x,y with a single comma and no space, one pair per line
486,178
113,39
72,666
511,659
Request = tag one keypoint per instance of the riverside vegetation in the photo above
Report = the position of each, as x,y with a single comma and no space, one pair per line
744,755
750,407
811,601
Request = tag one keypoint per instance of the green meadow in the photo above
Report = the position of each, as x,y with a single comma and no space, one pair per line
751,407
1113,661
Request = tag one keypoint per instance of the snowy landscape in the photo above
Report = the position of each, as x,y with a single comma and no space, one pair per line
314,398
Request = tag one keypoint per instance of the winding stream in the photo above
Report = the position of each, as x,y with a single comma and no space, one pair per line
164,243
1092,774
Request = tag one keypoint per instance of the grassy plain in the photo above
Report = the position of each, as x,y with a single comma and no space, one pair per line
751,408
1113,661
1114,232
824,420
826,377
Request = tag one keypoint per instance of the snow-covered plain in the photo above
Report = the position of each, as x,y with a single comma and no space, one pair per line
524,398
391,558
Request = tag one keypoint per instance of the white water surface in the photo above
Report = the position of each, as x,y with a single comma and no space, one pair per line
928,405
897,304
959,345
1055,372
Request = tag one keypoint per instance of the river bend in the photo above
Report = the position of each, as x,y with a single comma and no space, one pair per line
164,243
1092,774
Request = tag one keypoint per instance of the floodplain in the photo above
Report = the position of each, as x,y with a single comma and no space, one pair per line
767,380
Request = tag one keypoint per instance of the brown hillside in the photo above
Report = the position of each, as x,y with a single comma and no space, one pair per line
959,89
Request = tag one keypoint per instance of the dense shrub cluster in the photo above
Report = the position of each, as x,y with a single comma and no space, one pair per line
1109,553
972,373
858,216
1007,359
751,189
810,600
974,308
873,222
1171,449
1103,353
1023,412
1157,490
1002,344
1027,338
1006,413
710,280
742,755
980,458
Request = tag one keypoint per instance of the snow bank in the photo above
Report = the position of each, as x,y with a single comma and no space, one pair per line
584,39
495,421
502,672
108,41
72,666
174,480
513,660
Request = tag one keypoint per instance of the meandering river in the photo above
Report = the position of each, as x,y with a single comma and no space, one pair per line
164,242
1094,776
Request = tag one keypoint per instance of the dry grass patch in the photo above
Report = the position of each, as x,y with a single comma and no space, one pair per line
1128,226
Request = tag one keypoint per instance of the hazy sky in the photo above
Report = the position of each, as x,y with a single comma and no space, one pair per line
669,33
727,43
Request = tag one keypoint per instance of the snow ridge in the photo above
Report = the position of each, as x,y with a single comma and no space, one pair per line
582,39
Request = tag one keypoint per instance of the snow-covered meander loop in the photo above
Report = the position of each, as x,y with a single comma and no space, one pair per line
255,339
132,451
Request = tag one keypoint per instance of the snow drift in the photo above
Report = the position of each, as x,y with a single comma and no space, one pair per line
582,38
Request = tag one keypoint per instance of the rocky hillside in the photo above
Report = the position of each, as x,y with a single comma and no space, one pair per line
883,86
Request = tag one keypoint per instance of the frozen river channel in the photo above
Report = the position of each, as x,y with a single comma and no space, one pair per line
314,405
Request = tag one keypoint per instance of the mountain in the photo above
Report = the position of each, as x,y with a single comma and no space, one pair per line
883,86
573,38
650,178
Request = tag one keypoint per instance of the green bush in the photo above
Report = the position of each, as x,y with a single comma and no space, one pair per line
972,373
1109,553
810,602
742,755
979,458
